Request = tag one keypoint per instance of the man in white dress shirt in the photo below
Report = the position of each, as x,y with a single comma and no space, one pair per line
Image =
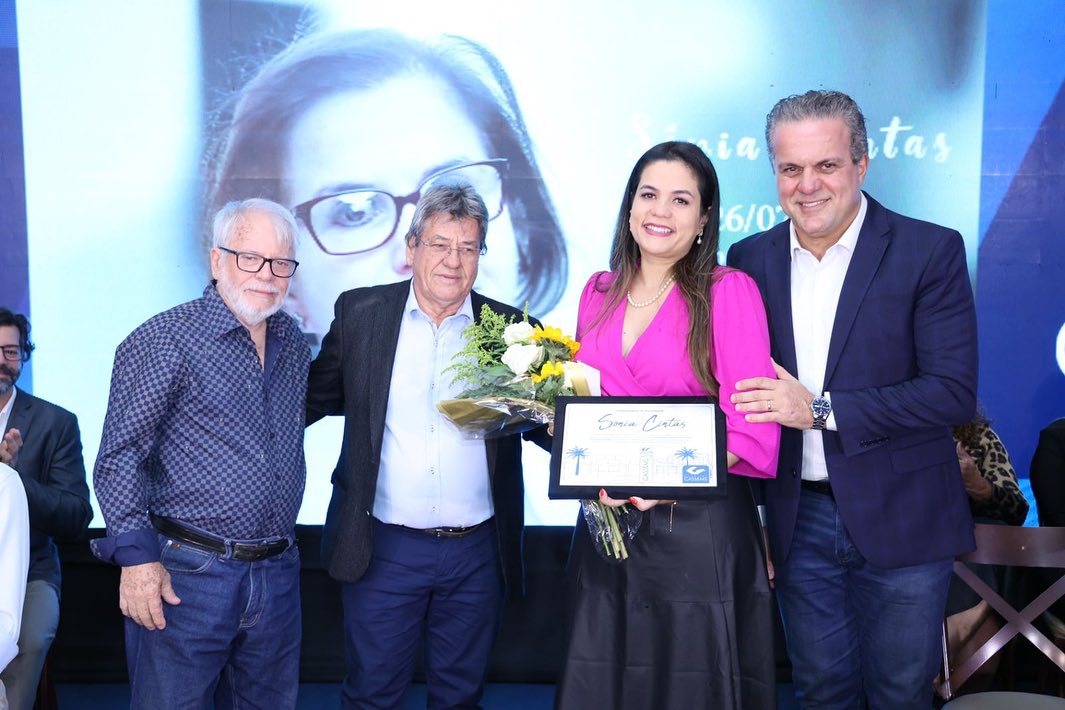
872,312
424,526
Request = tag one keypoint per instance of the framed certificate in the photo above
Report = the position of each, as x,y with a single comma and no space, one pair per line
652,447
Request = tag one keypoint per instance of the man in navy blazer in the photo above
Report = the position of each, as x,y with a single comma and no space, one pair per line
50,465
873,313
424,527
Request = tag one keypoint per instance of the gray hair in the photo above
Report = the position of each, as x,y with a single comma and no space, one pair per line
453,197
817,104
232,213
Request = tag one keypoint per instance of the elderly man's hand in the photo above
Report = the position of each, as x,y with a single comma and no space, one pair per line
141,594
784,400
9,447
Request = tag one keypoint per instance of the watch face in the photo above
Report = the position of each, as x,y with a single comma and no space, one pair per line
821,407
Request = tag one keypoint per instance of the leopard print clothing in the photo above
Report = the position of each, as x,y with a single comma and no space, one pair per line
1007,503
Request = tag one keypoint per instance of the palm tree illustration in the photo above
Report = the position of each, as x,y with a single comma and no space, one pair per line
686,454
577,452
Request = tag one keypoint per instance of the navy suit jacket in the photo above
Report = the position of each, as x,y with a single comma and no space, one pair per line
351,376
902,369
53,474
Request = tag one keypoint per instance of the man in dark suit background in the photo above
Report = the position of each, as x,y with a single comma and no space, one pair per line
50,465
424,528
873,313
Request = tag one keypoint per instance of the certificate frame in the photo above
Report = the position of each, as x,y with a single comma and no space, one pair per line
678,439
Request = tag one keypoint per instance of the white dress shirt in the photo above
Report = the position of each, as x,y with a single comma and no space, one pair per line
815,289
431,475
5,413
14,560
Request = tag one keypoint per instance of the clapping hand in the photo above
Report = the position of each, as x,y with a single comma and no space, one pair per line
9,447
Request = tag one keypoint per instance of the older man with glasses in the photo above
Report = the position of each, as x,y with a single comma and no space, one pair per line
424,526
200,476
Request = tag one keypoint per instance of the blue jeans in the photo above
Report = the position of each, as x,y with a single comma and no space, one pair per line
234,638
450,590
857,633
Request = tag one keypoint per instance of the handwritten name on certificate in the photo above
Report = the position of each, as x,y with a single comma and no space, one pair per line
635,445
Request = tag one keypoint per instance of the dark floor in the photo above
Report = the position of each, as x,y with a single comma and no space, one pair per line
498,696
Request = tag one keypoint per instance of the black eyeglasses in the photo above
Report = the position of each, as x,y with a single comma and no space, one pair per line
362,220
253,263
12,353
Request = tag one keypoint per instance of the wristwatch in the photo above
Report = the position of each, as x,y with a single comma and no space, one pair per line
820,407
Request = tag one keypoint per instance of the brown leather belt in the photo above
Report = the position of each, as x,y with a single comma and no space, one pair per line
823,487
239,551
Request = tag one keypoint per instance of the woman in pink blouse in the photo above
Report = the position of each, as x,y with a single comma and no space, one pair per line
687,619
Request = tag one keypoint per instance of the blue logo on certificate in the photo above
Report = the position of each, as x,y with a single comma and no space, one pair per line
696,474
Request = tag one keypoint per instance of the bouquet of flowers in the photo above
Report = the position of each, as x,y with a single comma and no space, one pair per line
513,372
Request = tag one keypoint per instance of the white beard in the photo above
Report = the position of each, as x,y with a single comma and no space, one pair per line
246,314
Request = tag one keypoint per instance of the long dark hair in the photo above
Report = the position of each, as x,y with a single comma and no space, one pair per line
247,156
694,272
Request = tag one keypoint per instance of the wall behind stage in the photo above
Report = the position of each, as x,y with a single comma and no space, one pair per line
122,102
1020,296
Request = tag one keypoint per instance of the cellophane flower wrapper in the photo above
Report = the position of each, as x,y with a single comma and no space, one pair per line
490,417
611,528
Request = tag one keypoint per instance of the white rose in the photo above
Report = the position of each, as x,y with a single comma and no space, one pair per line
519,358
520,332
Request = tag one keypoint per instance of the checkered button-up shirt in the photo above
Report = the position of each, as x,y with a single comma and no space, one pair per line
199,431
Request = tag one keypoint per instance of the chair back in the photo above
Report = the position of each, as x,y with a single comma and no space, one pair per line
1010,546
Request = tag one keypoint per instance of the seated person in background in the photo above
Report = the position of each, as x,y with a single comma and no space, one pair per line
988,475
994,497
1047,474
14,562
50,465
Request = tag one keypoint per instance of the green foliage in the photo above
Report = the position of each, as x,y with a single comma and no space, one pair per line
479,363
549,388
555,351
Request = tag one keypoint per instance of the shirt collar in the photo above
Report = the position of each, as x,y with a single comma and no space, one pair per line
848,240
5,413
464,312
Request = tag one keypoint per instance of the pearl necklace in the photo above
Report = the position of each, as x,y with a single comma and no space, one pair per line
634,304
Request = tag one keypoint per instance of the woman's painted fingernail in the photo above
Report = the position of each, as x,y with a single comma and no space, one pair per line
633,500
602,493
